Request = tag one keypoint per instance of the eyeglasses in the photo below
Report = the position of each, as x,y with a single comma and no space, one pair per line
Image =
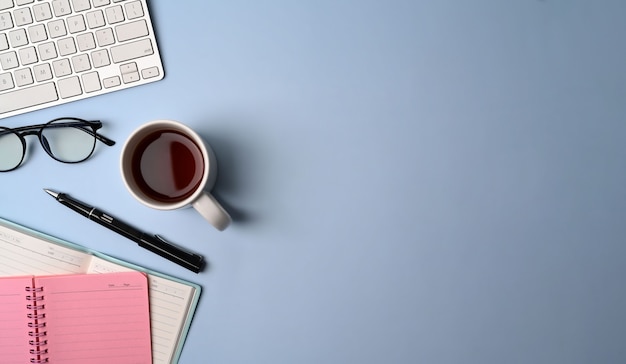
68,140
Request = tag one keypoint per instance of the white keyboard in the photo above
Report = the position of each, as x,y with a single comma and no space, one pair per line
53,52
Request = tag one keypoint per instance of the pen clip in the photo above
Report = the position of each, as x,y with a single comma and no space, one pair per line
162,239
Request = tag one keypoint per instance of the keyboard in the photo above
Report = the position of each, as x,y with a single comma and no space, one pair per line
54,52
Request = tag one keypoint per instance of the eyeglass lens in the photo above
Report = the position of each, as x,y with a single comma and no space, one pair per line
11,150
66,140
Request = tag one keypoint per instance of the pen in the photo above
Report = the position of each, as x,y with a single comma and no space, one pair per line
154,243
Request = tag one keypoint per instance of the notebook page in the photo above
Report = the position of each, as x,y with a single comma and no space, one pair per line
22,254
170,345
14,320
169,303
97,318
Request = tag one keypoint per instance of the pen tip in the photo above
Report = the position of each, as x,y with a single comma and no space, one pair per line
51,193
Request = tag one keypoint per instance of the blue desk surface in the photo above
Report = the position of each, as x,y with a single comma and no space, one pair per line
411,181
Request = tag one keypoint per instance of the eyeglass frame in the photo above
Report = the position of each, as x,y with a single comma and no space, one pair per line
90,126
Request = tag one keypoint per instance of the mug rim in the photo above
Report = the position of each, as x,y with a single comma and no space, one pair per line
126,155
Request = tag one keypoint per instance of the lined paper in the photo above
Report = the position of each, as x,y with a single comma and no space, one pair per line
97,318
21,254
14,347
170,301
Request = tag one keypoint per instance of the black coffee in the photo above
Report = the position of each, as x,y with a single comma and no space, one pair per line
167,166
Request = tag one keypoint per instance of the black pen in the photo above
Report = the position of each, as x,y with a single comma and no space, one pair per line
154,243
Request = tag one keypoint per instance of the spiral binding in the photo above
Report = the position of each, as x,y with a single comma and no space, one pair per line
37,325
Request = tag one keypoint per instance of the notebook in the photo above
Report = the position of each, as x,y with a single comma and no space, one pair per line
78,318
24,251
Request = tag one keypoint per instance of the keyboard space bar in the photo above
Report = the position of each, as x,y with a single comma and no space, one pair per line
26,97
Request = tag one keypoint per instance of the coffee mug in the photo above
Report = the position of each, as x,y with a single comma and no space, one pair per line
166,165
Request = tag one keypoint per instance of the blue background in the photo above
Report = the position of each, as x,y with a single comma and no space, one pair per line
411,181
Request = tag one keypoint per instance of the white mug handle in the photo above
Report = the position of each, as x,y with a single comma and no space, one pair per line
212,211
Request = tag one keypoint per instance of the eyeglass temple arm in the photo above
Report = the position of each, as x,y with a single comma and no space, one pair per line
104,139
100,137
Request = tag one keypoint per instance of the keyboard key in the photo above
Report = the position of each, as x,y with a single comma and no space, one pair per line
91,82
130,77
61,7
42,11
111,82
56,28
23,77
128,67
98,3
6,81
8,60
27,55
27,97
69,87
100,58
42,72
81,63
37,33
131,50
62,67
66,46
47,51
81,5
76,24
105,37
150,72
85,42
132,30
22,16
134,10
95,19
6,22
6,4
17,38
115,14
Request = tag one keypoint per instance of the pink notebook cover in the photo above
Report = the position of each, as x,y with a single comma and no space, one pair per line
79,318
